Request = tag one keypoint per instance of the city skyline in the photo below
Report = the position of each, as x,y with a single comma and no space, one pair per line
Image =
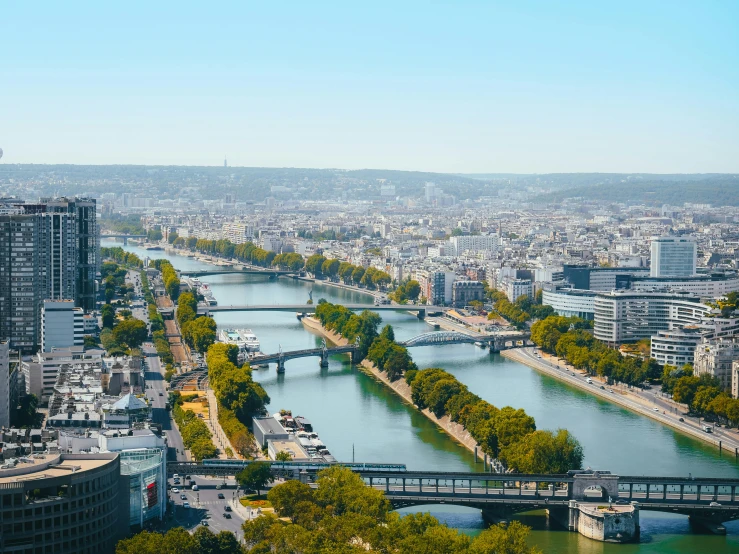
465,89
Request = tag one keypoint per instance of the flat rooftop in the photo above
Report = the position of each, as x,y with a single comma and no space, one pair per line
37,470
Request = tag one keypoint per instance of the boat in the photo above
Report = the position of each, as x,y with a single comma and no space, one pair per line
245,339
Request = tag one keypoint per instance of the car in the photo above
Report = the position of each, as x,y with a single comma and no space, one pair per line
176,476
622,501
204,523
183,497
227,515
656,409
175,490
602,387
161,394
681,419
220,496
227,508
715,505
186,505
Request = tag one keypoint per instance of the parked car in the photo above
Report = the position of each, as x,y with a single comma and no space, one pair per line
204,523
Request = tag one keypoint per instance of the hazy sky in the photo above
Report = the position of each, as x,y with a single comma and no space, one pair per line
511,86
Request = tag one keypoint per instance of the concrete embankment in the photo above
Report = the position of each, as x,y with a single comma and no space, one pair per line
623,400
400,387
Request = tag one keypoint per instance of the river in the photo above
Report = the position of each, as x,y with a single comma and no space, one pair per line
359,418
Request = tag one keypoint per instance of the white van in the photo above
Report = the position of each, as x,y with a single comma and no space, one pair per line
194,487
589,381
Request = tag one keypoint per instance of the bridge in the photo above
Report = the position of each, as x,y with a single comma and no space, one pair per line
123,236
307,308
573,499
197,378
496,341
324,352
245,271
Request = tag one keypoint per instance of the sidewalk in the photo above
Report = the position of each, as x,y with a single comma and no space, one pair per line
219,437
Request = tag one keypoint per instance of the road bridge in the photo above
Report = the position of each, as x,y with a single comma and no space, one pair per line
123,236
323,352
569,497
308,308
245,271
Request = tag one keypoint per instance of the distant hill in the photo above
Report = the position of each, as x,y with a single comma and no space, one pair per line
715,189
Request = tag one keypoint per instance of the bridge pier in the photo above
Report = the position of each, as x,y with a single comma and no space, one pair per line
421,314
280,366
324,359
710,525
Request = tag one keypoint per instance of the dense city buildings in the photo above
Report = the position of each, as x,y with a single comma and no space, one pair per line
5,384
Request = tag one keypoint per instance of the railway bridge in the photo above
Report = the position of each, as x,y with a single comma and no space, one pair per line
580,500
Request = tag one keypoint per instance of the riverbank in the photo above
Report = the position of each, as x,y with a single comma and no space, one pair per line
625,399
401,388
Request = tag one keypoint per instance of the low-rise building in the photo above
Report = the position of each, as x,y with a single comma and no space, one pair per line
464,292
715,357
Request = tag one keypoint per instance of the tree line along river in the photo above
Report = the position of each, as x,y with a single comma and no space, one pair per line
357,416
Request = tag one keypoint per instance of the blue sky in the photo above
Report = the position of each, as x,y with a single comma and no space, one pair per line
527,87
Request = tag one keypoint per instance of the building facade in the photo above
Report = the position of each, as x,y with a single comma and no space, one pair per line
63,503
463,292
715,357
62,325
628,316
5,384
514,288
569,302
677,346
673,257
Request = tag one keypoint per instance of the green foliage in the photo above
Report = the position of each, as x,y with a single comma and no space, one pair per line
239,397
195,433
569,338
349,325
342,515
154,235
407,290
256,475
90,342
314,265
543,452
108,316
200,333
131,332
289,261
123,257
169,277
247,252
27,415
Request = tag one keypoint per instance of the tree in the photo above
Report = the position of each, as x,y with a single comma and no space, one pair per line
287,496
685,389
502,539
108,316
388,333
26,414
256,475
314,264
131,332
90,342
173,236
344,490
283,456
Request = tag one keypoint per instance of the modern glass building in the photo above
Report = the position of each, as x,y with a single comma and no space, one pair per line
673,257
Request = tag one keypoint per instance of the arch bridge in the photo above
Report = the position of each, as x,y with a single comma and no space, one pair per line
323,352
496,341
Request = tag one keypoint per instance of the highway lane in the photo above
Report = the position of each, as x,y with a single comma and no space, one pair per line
156,385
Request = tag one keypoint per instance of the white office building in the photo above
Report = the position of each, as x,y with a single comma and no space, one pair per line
4,384
473,243
704,285
62,325
673,257
628,316
677,347
569,302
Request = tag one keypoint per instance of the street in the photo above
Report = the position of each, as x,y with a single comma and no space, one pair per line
204,505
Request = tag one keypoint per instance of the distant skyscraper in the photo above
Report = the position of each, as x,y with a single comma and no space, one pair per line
225,162
430,192
673,257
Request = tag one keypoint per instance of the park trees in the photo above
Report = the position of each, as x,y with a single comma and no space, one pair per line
131,332
314,265
108,316
256,475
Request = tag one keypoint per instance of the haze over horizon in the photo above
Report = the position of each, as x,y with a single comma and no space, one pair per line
466,88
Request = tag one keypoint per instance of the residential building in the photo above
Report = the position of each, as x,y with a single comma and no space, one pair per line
464,292
673,257
238,233
62,325
5,384
678,346
473,243
40,373
515,288
715,357
711,285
